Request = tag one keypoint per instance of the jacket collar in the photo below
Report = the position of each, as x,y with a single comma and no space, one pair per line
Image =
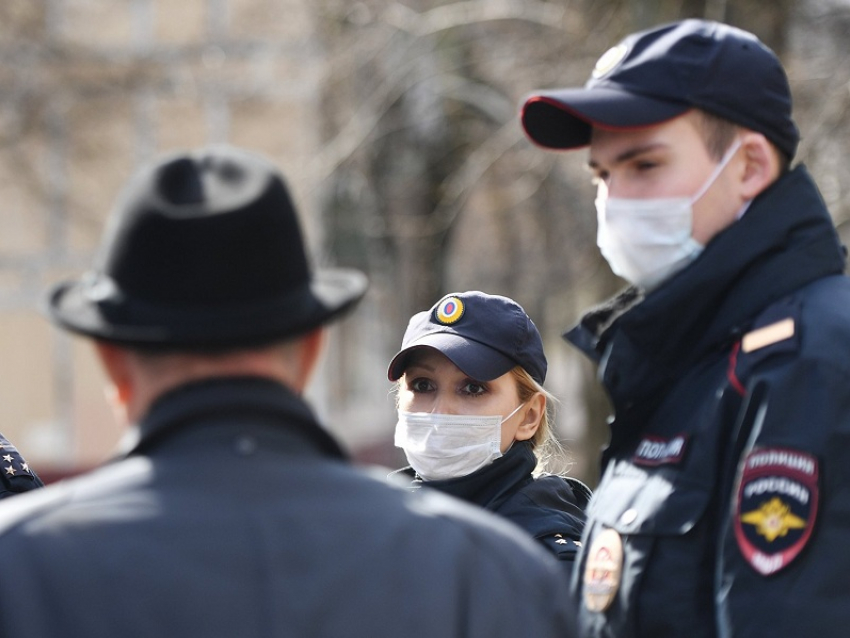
228,400
784,241
491,485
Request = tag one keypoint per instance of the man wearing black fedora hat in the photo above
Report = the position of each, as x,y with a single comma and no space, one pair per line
721,506
232,512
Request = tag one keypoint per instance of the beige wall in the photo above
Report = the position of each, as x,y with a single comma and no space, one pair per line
26,390
134,78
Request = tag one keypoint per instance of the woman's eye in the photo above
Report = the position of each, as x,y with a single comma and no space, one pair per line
474,388
421,385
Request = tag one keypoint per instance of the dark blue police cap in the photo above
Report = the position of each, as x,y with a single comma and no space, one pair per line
483,335
656,75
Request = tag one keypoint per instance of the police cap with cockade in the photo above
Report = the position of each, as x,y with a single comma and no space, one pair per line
483,335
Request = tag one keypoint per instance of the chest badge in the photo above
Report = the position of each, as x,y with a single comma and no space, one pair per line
603,571
776,508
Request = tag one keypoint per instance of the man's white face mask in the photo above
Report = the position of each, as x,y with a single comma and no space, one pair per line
646,241
444,446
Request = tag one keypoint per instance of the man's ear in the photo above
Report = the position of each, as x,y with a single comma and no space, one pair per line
119,392
761,164
117,367
310,351
535,407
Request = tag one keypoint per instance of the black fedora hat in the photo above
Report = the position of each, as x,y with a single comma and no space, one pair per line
203,250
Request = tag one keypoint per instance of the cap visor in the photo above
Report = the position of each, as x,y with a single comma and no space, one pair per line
564,119
476,360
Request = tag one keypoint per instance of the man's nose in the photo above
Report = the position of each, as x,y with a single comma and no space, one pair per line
606,189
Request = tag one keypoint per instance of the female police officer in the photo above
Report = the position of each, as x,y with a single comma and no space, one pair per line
473,417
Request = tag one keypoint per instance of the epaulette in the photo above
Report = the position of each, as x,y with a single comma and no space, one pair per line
774,332
15,473
562,547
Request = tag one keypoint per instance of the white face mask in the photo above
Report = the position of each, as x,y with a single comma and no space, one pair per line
646,241
444,446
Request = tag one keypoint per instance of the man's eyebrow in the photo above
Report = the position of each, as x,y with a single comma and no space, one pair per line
629,154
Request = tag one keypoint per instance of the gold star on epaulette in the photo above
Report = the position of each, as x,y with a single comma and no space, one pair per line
11,470
8,458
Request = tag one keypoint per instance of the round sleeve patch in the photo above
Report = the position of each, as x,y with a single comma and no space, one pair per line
776,508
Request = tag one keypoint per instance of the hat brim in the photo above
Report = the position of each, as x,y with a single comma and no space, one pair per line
564,119
118,318
476,360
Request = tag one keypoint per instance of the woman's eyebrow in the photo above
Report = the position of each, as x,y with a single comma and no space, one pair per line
424,366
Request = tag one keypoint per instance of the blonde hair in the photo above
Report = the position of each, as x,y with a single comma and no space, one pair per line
551,455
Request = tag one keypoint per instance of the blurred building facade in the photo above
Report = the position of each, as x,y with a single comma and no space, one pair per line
91,88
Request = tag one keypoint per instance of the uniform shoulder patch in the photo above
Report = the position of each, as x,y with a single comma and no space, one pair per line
776,508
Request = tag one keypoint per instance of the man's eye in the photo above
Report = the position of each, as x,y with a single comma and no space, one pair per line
645,166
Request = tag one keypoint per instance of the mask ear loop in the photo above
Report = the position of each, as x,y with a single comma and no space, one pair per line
727,156
507,418
516,409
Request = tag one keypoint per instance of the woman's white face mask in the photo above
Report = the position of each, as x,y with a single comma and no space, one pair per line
646,241
444,446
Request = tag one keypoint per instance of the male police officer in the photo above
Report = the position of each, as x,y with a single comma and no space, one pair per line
722,507
233,513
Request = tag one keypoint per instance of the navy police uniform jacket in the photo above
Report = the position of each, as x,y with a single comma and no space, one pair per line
723,507
235,514
16,475
549,507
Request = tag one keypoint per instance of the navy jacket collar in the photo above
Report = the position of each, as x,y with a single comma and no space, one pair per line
493,483
547,505
785,240
229,400
490,486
